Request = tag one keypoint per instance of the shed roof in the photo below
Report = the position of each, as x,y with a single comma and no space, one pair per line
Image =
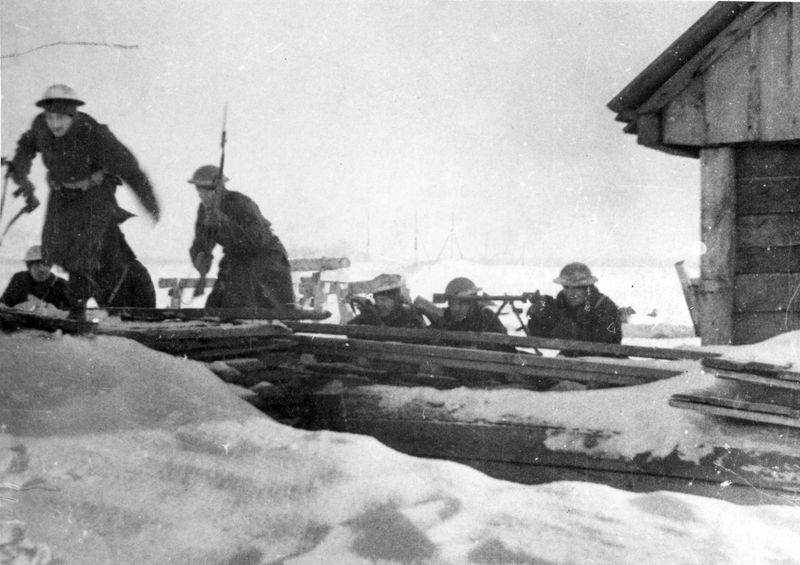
672,59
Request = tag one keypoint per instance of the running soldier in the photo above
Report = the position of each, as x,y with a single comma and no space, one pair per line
85,163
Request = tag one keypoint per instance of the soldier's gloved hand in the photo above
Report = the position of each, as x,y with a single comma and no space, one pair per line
31,202
151,205
541,305
362,301
202,262
26,189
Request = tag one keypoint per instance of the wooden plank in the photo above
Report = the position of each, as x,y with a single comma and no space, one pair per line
770,382
727,86
177,332
706,58
230,352
767,292
778,259
519,452
224,314
683,119
767,161
794,57
752,367
648,129
492,361
182,283
768,195
717,221
482,374
739,410
319,264
11,319
752,327
767,230
431,336
775,79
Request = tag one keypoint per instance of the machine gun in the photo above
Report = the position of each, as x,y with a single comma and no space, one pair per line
503,299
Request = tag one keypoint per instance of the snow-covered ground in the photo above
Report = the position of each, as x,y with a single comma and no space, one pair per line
113,453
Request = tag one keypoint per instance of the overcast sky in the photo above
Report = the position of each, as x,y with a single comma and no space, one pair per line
354,121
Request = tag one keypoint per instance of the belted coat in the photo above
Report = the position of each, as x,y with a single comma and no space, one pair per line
84,168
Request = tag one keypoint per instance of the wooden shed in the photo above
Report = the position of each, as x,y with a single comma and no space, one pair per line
727,91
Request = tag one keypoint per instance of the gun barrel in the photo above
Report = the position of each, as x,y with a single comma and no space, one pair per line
440,297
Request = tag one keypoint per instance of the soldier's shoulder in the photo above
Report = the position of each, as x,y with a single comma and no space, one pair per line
87,123
18,276
605,303
238,198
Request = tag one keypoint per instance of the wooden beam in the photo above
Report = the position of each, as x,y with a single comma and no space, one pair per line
182,332
319,264
738,409
752,327
773,259
768,195
717,217
521,452
767,292
219,314
523,365
648,129
431,336
766,230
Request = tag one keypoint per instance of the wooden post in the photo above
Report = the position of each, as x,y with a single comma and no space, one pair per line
718,231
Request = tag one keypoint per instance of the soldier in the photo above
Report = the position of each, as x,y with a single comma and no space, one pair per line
37,284
122,280
578,312
254,270
467,315
390,308
85,163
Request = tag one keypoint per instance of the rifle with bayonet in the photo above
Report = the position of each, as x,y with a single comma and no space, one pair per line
200,289
31,202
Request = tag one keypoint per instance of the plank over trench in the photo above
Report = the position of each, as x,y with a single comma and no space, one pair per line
519,452
519,364
443,337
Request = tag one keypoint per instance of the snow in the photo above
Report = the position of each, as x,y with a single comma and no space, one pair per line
111,452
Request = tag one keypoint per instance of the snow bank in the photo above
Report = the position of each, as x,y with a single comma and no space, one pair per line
112,453
633,420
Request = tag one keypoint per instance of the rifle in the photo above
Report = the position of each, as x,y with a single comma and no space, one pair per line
200,289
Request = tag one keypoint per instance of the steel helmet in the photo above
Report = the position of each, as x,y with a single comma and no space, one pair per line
60,93
33,254
207,175
386,283
575,274
460,286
